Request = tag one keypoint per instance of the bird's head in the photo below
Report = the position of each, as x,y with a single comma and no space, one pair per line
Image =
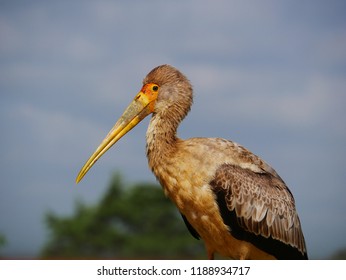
165,91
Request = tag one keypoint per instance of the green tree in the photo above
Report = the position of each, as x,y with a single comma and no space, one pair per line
133,222
339,254
2,240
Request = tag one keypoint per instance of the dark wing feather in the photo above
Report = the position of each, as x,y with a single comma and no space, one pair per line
259,208
191,229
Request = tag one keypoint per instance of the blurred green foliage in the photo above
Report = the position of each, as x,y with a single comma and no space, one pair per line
2,240
339,254
2,243
129,222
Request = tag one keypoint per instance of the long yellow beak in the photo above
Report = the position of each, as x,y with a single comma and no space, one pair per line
140,107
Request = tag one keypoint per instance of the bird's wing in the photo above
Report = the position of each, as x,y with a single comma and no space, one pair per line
259,208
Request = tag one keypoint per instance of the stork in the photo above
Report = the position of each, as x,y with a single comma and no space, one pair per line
227,196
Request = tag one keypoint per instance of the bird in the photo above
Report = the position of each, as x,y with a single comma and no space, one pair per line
227,196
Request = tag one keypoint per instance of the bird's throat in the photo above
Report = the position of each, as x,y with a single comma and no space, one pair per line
161,135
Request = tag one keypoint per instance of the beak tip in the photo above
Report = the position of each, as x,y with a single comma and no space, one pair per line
79,178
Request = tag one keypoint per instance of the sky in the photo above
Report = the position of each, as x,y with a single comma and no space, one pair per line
269,75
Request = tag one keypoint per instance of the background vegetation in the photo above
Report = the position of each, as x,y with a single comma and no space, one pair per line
2,241
131,222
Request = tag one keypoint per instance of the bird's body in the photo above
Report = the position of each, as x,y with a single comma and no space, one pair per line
227,196
193,195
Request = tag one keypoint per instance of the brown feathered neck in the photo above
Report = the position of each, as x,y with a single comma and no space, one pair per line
174,101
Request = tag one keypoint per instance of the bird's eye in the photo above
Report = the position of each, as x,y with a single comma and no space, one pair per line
155,88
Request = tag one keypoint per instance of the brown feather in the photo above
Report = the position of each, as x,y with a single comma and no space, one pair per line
278,219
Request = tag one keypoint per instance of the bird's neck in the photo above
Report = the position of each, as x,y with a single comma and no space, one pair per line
161,139
161,133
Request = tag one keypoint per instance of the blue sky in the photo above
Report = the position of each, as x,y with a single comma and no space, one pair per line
269,75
